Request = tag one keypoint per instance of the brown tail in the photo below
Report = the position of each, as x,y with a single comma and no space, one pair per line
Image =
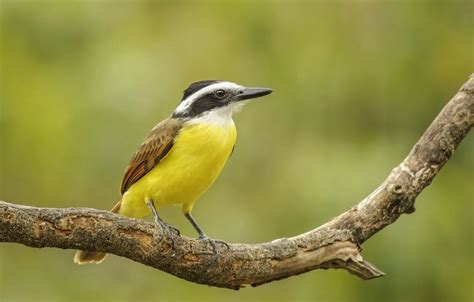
86,257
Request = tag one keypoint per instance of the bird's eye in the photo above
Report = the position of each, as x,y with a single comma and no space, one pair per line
220,93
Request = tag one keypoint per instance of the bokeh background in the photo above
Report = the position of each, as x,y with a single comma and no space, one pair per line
356,83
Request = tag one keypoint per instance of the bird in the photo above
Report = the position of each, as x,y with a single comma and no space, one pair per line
181,157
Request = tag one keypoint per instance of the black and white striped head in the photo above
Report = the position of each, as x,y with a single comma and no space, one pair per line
217,97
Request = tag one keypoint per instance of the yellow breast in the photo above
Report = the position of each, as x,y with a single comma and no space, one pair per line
197,157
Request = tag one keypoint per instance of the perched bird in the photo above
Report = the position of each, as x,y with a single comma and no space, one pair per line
182,156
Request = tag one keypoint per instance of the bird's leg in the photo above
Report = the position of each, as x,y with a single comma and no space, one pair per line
203,236
157,219
163,225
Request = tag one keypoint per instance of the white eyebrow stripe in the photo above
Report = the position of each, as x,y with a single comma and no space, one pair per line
184,105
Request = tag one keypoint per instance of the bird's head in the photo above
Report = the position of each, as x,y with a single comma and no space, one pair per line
218,98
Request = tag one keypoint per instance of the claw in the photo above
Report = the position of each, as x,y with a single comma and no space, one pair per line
213,242
224,243
163,229
202,235
172,227
166,231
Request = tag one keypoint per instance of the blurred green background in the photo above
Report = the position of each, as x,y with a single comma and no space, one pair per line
356,83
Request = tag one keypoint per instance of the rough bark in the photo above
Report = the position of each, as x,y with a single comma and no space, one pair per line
335,244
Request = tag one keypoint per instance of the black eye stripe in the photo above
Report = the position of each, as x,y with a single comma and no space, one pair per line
200,102
201,105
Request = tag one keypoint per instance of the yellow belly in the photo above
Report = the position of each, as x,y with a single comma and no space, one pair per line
196,159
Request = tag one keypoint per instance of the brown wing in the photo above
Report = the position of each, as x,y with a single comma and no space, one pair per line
154,148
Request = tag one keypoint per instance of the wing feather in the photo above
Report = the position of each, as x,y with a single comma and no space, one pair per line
154,148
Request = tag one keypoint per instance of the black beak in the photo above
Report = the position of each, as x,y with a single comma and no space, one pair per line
252,93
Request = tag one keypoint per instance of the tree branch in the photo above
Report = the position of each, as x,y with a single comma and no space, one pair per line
332,245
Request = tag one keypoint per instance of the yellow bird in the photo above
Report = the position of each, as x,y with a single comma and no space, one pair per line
182,155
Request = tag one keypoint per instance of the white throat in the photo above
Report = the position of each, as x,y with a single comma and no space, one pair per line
221,117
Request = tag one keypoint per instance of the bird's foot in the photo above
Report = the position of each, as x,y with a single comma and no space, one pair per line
173,228
213,243
162,227
166,229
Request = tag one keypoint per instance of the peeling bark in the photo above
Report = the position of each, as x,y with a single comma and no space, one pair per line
335,244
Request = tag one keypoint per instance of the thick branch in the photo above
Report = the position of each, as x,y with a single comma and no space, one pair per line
332,245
